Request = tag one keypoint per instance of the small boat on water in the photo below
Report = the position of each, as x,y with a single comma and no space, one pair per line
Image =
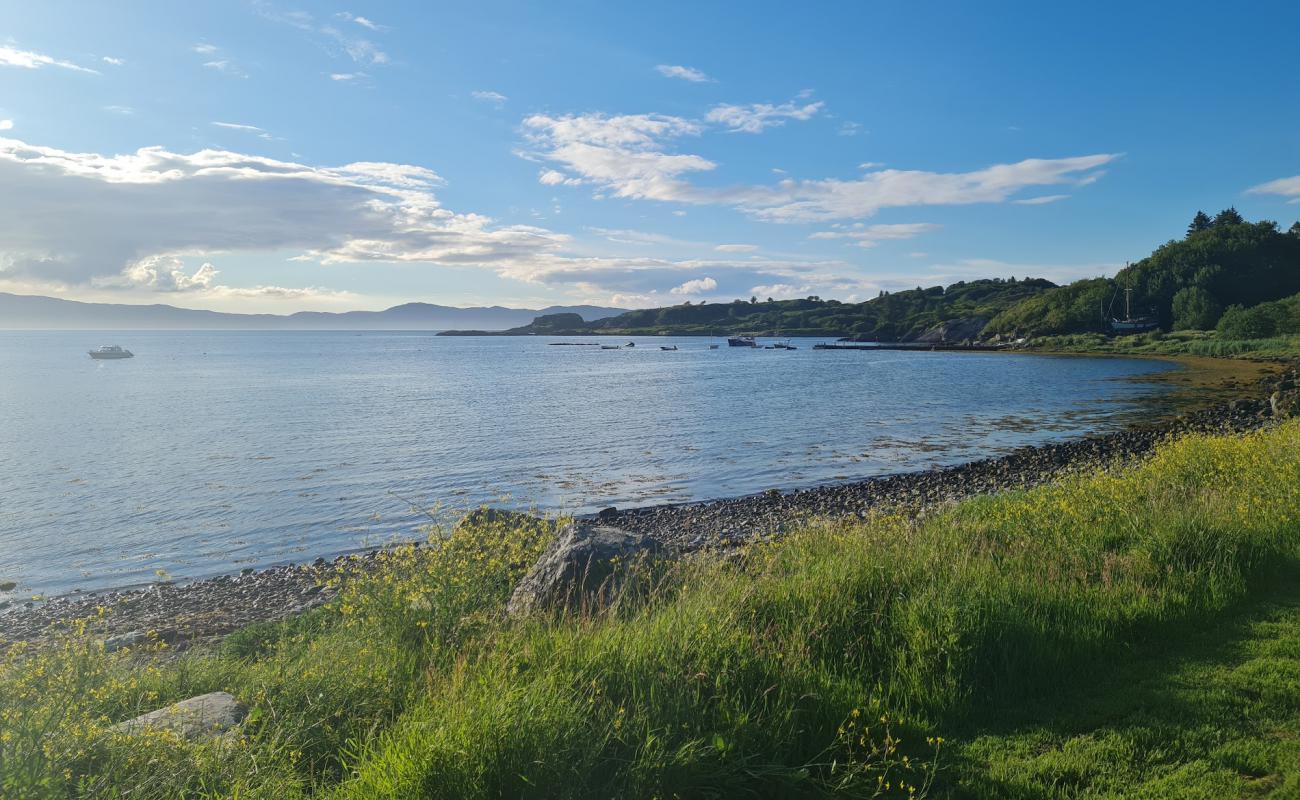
713,347
610,347
630,344
110,351
667,347
741,341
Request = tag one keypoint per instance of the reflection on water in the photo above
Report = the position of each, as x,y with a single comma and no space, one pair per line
212,451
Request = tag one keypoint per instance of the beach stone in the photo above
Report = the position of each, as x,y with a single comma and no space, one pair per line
581,563
199,717
8,586
121,640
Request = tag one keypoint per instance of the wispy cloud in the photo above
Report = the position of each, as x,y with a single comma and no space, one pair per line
1041,200
253,129
225,66
871,235
1286,187
495,98
347,77
123,110
6,124
754,118
683,73
116,62
851,129
631,156
736,248
204,49
362,21
357,48
27,59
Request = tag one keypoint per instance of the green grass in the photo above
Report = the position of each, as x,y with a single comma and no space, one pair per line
1193,343
1217,715
892,657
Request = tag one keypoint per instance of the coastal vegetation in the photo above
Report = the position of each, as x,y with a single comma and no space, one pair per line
1240,279
1127,632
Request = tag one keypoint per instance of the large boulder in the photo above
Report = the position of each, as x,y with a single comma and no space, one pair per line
199,717
583,564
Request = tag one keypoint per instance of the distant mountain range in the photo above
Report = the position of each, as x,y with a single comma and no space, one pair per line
30,312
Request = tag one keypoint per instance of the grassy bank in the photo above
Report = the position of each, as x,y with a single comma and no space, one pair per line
894,657
1176,343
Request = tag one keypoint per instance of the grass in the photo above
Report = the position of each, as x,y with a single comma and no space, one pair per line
1193,343
894,657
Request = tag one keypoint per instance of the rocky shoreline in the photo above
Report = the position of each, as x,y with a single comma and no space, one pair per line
181,615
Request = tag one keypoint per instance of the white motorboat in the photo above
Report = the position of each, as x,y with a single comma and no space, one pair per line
110,351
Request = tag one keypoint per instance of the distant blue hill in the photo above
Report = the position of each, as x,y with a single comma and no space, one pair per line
33,312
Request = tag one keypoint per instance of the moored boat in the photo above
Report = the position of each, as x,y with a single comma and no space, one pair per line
741,341
110,351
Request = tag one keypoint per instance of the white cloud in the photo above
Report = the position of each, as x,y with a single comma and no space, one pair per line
620,153
830,199
74,217
629,156
346,76
736,248
238,127
1286,187
205,49
360,50
552,177
116,62
168,274
253,129
362,21
684,73
226,66
872,235
850,129
26,59
694,287
495,98
123,110
133,222
6,124
1041,200
757,116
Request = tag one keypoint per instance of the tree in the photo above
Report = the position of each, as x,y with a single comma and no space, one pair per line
1228,216
1295,230
1259,322
1195,309
1200,222
753,299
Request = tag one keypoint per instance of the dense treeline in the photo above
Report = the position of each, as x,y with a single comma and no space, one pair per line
1185,284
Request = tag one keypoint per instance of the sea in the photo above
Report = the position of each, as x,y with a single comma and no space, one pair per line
210,452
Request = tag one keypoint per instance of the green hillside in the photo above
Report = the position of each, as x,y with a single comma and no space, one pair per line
1185,284
893,316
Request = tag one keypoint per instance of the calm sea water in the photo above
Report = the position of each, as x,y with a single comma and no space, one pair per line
209,452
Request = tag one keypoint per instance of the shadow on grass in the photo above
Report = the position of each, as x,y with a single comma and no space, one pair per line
1212,713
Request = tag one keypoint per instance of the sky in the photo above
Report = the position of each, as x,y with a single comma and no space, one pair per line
274,156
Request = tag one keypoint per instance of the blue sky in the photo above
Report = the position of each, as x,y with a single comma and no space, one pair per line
275,156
